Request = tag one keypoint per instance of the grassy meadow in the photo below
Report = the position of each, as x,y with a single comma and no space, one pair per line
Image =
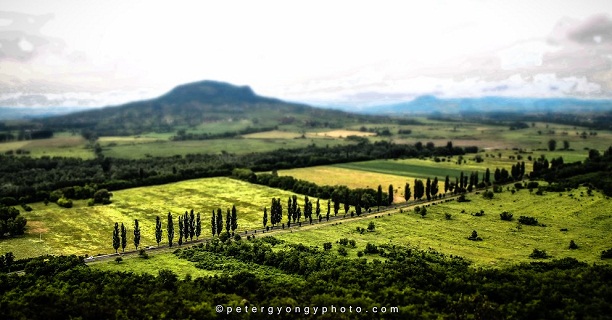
586,218
88,230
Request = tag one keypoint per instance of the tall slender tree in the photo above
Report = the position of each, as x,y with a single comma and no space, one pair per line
219,221
487,177
318,209
192,225
136,234
336,207
328,209
228,221
181,230
198,226
158,230
379,197
123,237
390,194
186,226
234,225
407,192
116,240
428,189
213,224
265,217
434,187
170,229
289,209
446,184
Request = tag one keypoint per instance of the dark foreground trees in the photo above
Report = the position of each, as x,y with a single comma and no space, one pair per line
438,286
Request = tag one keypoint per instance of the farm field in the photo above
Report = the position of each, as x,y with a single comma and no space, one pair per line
59,146
88,230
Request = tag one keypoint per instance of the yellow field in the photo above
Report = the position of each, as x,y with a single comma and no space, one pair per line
341,134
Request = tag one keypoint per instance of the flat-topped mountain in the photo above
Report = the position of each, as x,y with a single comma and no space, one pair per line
193,106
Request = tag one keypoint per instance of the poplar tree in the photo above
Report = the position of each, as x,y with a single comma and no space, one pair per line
192,225
170,228
186,226
213,224
123,237
116,240
234,219
390,194
434,187
181,230
228,221
407,192
158,230
198,226
428,189
219,221
265,217
328,209
378,197
136,234
336,208
446,184
289,209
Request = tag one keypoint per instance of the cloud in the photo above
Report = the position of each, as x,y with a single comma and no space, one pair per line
593,31
20,36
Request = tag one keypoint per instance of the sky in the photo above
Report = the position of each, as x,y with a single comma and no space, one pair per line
326,53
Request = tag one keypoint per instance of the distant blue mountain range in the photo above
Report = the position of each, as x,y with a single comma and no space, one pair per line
17,113
429,104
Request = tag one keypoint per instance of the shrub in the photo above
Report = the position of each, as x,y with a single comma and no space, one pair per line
448,216
539,254
474,236
488,194
327,246
143,254
343,241
224,236
606,254
530,221
532,185
573,245
497,189
371,226
462,198
423,212
506,216
342,251
237,237
352,243
479,214
64,203
118,259
360,254
371,248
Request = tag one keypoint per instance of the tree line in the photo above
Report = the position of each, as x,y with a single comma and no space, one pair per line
24,179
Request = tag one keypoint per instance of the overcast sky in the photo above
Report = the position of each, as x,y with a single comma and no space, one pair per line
74,53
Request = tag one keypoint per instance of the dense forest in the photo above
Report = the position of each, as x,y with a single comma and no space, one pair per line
422,284
25,179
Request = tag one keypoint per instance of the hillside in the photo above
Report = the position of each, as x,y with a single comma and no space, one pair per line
195,105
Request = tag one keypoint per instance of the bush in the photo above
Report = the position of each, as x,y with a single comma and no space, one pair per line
327,246
539,254
532,185
462,198
530,221
371,226
237,237
342,251
224,236
488,194
64,203
143,254
497,189
352,243
573,245
343,241
606,254
423,212
371,248
118,259
474,236
360,254
506,216
448,216
9,201
479,214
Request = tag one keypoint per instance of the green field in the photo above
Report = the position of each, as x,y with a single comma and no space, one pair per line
88,230
63,145
586,218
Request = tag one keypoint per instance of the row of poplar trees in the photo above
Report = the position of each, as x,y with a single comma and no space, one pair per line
189,226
